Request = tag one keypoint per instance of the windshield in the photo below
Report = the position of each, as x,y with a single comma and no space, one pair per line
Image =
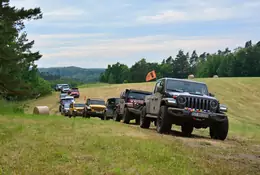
74,90
137,95
184,86
66,105
66,86
79,105
67,100
96,102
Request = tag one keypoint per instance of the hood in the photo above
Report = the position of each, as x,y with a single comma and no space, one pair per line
191,95
79,108
74,93
98,106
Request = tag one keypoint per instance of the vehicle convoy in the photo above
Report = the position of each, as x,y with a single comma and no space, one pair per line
110,112
130,105
74,92
66,99
185,103
94,107
76,109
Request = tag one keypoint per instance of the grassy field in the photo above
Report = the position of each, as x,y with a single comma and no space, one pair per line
59,145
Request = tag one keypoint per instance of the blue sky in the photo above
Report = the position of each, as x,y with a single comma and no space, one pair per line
95,33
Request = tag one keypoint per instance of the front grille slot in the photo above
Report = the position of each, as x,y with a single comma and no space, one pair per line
197,103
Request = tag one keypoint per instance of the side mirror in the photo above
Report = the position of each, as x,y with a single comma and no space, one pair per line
159,89
212,95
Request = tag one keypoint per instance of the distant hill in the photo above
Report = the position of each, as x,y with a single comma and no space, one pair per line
85,75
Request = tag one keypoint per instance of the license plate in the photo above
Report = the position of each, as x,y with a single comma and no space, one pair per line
201,115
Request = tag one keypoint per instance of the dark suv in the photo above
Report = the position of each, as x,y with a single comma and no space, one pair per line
110,112
130,105
185,103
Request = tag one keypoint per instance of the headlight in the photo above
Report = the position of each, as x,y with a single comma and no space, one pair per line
213,104
223,108
172,101
181,100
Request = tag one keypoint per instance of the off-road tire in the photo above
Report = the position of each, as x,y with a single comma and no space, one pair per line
187,130
163,123
126,116
116,117
144,121
219,130
105,116
137,120
59,108
102,117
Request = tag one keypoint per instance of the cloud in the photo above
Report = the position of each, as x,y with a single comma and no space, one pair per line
128,50
202,11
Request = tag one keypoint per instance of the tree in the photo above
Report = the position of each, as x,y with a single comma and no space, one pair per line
181,65
17,67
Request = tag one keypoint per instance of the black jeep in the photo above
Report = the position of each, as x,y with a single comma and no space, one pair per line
111,105
130,105
185,103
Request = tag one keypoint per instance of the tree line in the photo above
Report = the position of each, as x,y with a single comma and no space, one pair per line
241,62
19,77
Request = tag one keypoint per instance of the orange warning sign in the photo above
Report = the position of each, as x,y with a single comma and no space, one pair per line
151,75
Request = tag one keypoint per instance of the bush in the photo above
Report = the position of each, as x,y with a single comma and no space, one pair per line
7,107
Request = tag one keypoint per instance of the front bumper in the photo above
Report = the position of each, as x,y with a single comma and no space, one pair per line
183,113
95,113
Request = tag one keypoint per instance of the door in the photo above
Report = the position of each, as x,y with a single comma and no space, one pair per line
122,103
154,99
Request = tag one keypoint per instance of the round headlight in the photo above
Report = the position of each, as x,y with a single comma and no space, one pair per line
181,100
213,104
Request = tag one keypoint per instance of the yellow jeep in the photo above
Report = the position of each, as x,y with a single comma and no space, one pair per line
76,109
95,108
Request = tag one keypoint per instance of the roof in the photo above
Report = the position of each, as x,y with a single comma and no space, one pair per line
141,91
179,79
113,98
96,99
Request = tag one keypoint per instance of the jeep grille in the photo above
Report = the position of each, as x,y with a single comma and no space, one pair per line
198,103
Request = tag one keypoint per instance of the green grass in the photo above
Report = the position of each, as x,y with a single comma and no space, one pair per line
53,144
90,85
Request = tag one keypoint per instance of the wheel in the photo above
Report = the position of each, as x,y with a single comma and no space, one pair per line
144,121
126,116
59,108
74,114
155,121
102,117
105,116
219,130
187,130
116,117
163,123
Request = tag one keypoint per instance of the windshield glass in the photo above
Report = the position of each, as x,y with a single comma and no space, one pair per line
96,102
184,86
74,90
137,95
66,105
65,86
79,105
67,100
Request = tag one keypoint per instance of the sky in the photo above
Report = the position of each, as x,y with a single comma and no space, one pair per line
95,33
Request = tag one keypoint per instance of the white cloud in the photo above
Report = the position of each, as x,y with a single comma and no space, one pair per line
147,46
202,11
